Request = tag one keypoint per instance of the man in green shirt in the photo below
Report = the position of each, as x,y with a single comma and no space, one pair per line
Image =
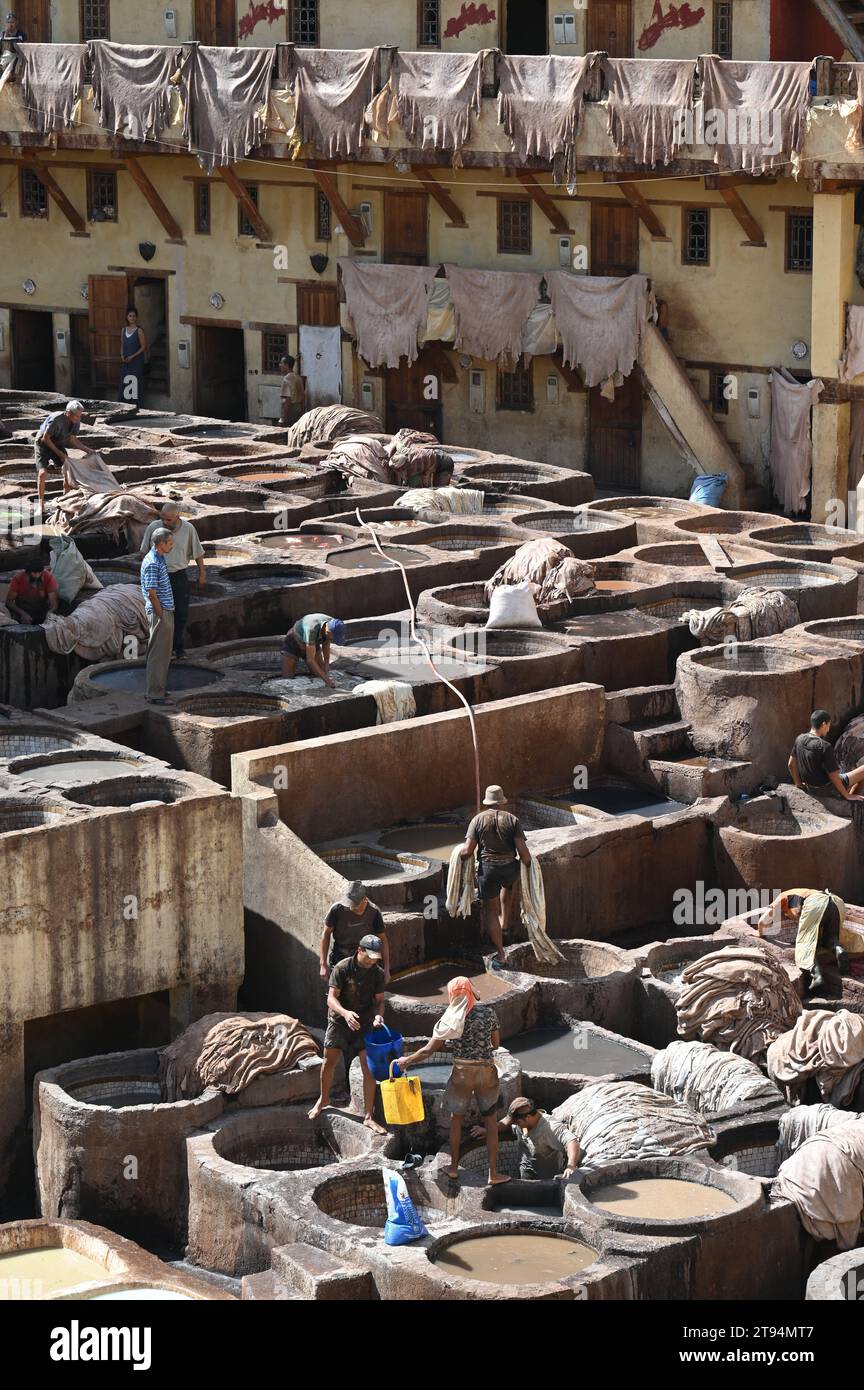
309,641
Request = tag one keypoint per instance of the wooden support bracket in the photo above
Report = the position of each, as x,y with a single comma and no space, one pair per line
426,178
148,189
73,217
347,221
544,202
241,193
646,213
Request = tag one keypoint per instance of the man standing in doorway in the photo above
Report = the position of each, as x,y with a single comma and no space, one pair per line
500,839
293,392
186,548
54,436
159,607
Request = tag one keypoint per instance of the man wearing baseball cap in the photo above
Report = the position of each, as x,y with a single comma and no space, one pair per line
547,1148
498,838
53,437
346,923
354,1003
309,641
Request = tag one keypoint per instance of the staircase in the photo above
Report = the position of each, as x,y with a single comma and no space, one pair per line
846,18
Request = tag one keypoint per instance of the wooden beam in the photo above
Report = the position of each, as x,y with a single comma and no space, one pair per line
736,205
436,353
347,221
734,180
143,184
569,374
543,201
73,217
241,193
426,178
645,212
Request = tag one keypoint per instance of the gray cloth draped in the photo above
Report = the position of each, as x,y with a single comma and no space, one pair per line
540,104
51,82
433,96
226,92
491,308
132,87
600,320
791,456
645,105
388,305
331,92
756,111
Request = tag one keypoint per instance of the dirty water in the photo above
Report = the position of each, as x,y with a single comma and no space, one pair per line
516,1258
432,841
661,1199
575,1052
431,985
51,1268
367,558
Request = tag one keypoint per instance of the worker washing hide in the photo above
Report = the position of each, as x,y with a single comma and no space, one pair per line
756,612
540,105
756,113
393,699
492,309
739,998
416,457
231,1050
98,628
791,455
52,81
619,1120
433,96
852,362
456,500
803,1121
132,88
644,106
822,1046
825,1180
332,89
324,423
713,1082
388,305
226,94
600,320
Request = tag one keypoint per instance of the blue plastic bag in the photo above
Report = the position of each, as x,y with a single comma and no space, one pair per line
403,1224
708,489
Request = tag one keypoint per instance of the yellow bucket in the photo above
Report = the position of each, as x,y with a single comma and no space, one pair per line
402,1099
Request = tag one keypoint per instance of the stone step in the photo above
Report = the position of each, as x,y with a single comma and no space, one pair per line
265,1287
316,1274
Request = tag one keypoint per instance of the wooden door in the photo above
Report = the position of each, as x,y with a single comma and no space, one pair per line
32,350
33,18
317,305
615,427
610,28
107,299
220,372
216,22
408,402
614,239
406,229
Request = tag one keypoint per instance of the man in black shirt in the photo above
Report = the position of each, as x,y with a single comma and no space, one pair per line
499,841
813,762
354,1003
344,926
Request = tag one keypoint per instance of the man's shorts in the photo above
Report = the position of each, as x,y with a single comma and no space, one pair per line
291,647
338,1034
828,787
493,877
477,1079
46,460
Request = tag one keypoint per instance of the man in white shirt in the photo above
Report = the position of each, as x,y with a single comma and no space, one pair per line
186,548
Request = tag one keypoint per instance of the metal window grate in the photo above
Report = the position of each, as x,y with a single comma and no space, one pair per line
34,197
95,20
515,389
514,226
101,196
430,24
799,241
244,226
722,29
273,346
697,236
202,209
304,22
323,217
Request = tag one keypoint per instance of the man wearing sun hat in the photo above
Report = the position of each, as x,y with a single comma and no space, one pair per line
347,921
354,1003
499,841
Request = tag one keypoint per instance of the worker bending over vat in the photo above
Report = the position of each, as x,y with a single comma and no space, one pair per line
309,641
820,916
354,1003
547,1148
499,842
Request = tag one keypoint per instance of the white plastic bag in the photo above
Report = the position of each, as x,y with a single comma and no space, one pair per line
512,605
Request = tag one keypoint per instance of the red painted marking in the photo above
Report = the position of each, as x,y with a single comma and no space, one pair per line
677,17
468,15
256,13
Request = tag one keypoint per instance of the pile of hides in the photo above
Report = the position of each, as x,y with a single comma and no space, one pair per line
760,107
803,1121
388,306
360,456
114,514
533,912
461,884
433,96
52,81
755,612
226,95
452,499
91,473
491,309
132,87
554,575
332,89
645,102
825,1180
601,321
394,699
70,569
98,627
825,1046
791,455
713,1082
849,748
415,457
229,1051
324,423
619,1120
739,998
540,105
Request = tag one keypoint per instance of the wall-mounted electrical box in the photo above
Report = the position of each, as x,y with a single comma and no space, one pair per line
2,337
366,218
183,355
564,251
552,389
62,338
367,395
171,23
564,28
477,392
754,405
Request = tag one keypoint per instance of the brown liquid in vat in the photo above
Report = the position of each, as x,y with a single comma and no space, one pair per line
516,1258
432,984
433,841
614,584
661,1199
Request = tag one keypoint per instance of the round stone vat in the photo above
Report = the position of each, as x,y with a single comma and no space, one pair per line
232,429
805,541
505,644
356,1199
233,705
249,654
264,471
399,878
242,452
276,574
661,983
233,498
672,609
116,572
366,557
47,1260
219,553
748,1146
564,1055
418,997
615,796
618,576
835,629
433,840
23,740
837,1279
390,519
587,533
655,1196
595,982
820,590
654,517
17,815
454,605
510,1259
89,1116
69,766
673,555
467,536
503,504
255,1151
129,791
768,844
721,523
130,677
496,471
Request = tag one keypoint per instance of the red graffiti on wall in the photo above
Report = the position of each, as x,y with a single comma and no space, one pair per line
250,21
468,15
677,17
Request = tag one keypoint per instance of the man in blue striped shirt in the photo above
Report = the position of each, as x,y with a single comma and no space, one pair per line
159,607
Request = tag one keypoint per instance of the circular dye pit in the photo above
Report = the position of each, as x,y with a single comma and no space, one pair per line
673,609
19,743
789,577
617,800
494,642
580,1051
358,1199
748,658
141,1294
841,629
306,540
22,815
273,574
46,1271
128,791
66,771
430,984
366,557
821,541
436,840
272,475
661,1199
237,706
117,1092
131,677
517,1257
370,867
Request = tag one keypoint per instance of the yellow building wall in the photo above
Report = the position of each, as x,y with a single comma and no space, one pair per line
131,21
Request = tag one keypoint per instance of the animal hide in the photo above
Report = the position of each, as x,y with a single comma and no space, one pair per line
739,998
52,81
492,309
765,102
331,92
226,96
433,96
388,304
601,321
791,456
540,105
645,104
132,87
229,1051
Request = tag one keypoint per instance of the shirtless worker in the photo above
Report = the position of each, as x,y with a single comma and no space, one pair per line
309,641
813,763
820,917
500,840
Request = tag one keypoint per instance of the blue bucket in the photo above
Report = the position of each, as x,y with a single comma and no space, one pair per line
382,1046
